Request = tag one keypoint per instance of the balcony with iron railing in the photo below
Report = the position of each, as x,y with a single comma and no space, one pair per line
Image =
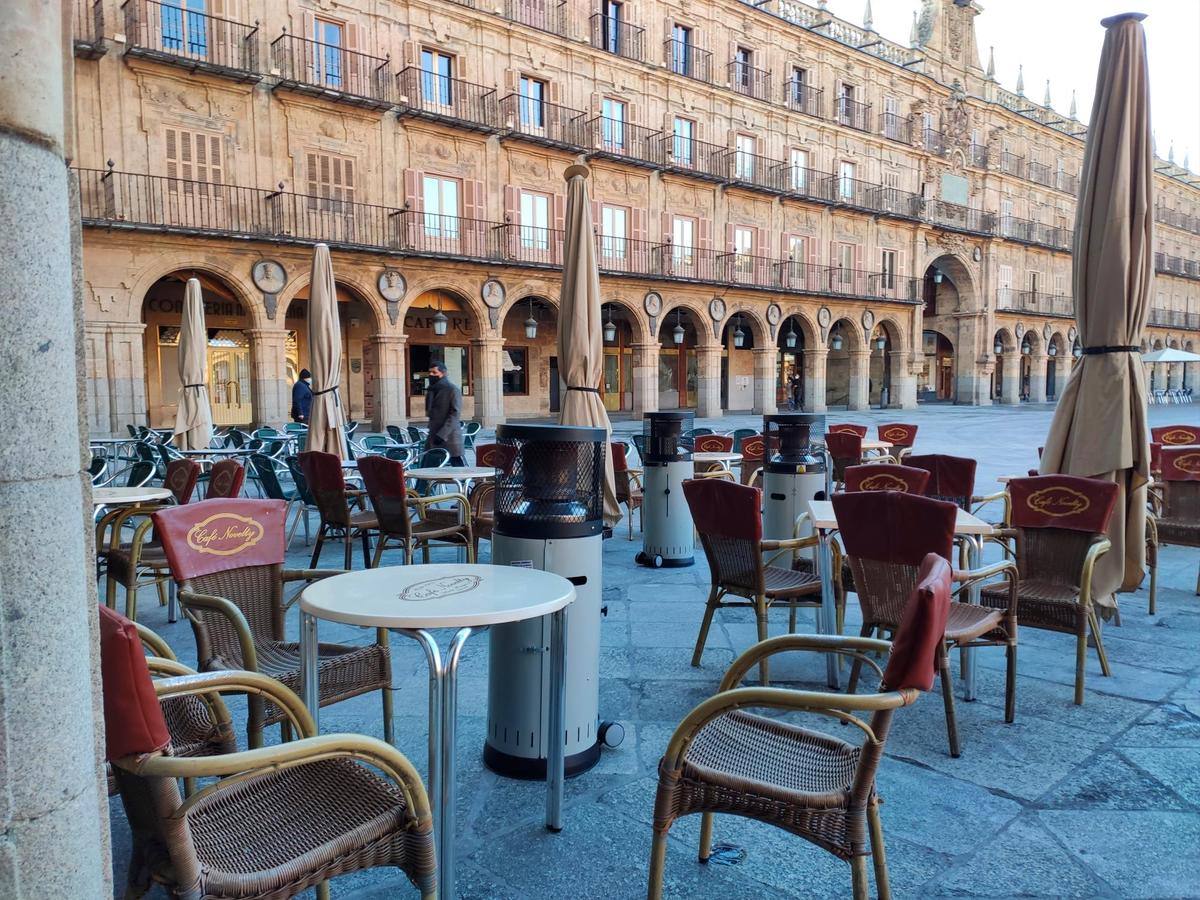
1039,173
804,98
436,235
896,127
872,197
806,183
426,95
1166,264
529,244
1174,318
626,256
959,218
685,58
1030,232
1012,164
977,156
1176,218
854,114
611,138
749,80
545,15
333,72
933,141
1067,183
752,171
538,122
87,29
617,37
191,40
689,156
1008,300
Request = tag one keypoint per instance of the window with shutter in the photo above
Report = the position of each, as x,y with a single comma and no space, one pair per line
535,221
195,159
683,231
887,269
331,181
613,231
799,170
1004,287
327,61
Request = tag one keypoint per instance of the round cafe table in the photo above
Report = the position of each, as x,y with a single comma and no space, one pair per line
725,459
125,496
416,600
458,475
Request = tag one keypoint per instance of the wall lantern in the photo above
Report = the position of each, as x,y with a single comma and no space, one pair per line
610,328
441,324
937,276
1077,351
739,336
835,342
531,323
880,343
790,338
677,332
998,347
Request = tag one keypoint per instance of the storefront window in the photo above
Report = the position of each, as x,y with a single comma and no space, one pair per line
422,356
516,370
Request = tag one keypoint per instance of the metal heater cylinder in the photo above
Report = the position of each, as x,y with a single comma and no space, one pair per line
666,519
549,515
795,471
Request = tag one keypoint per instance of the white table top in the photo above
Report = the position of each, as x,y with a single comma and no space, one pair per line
444,595
715,456
111,496
450,473
823,518
876,445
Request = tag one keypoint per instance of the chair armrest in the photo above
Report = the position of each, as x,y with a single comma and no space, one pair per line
423,504
310,574
856,647
230,611
970,576
239,681
1101,546
152,642
795,543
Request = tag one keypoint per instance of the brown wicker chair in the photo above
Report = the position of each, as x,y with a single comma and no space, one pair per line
753,452
279,820
887,535
1059,522
225,480
900,436
234,601
394,508
728,518
845,450
711,443
1178,517
628,483
323,471
818,786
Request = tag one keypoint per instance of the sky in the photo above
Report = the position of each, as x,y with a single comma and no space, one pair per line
1060,40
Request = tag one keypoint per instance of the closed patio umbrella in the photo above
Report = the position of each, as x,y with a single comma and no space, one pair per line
193,419
324,358
1099,428
580,330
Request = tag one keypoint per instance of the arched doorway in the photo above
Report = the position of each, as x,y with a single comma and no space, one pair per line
230,369
678,376
937,376
1005,377
884,368
789,381
359,366
618,335
1054,351
440,328
1158,379
737,364
529,365
1190,370
844,339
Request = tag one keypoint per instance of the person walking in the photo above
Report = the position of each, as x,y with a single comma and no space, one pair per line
302,397
443,408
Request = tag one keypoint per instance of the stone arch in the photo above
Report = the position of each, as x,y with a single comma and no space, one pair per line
962,279
1007,340
846,371
850,331
470,301
759,331
677,363
807,328
887,378
639,325
700,319
164,264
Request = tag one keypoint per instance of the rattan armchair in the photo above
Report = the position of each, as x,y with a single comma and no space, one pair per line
728,518
845,450
711,443
1059,523
234,602
225,480
323,472
818,786
900,436
395,507
628,484
1177,518
753,452
887,535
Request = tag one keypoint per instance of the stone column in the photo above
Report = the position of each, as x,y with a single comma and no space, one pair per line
1010,378
1037,378
126,368
814,380
645,378
390,400
860,374
904,384
489,380
53,810
1175,376
268,373
708,382
765,373
96,386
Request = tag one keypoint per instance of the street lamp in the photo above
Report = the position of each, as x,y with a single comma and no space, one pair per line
790,337
531,323
610,328
835,342
1077,351
1026,349
880,342
998,347
441,324
1052,350
677,332
937,276
739,336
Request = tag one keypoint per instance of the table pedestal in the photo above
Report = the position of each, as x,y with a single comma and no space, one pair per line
967,654
827,614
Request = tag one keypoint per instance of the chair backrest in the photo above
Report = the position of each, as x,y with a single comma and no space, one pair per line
414,434
619,460
922,628
96,468
729,519
884,477
327,485
133,718
301,482
753,447
434,458
490,456
738,435
400,454
951,477
697,432
639,443
351,428
375,441
396,434
140,473
1155,457
1176,434
1181,474
848,428
264,471
1180,464
225,480
265,433
1058,518
845,449
133,432
898,434
384,480
713,443
295,428
181,478
470,429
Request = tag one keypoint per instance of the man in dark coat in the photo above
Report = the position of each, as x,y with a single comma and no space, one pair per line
443,407
302,397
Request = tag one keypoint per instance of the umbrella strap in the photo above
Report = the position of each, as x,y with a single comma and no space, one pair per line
186,386
327,390
1096,351
584,389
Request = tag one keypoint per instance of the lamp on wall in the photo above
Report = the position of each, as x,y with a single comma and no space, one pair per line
1052,350
739,336
677,332
937,276
531,323
1026,349
791,337
610,328
835,341
998,347
880,342
1077,351
441,324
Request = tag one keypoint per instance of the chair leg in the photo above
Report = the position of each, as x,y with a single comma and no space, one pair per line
389,728
379,545
1094,624
316,554
706,827
856,666
1154,587
1080,663
347,549
859,879
366,548
1010,685
161,587
760,604
658,862
792,619
883,888
110,593
947,680
709,609
131,601
307,524
285,731
291,511
323,891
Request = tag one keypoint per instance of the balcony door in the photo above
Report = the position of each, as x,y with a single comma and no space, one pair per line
441,217
184,27
437,78
326,63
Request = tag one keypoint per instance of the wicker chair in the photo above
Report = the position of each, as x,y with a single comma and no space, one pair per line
1178,516
887,477
900,436
1059,522
848,428
886,536
394,506
845,450
234,601
753,447
279,820
818,786
711,443
323,472
729,520
1175,435
225,480
628,484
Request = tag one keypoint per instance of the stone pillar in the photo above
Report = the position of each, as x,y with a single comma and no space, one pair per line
96,386
708,382
1175,376
1037,378
53,810
904,384
645,378
125,363
860,374
268,372
390,400
765,373
1010,379
489,380
814,380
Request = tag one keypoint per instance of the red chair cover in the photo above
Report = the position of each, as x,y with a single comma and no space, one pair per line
848,428
496,456
896,528
181,478
898,434
913,659
844,445
950,476
725,509
1175,434
713,443
322,471
620,463
226,480
752,448
219,535
133,719
1062,501
1180,464
885,477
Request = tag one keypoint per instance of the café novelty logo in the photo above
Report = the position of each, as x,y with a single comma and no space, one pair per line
1058,501
1188,462
884,482
895,434
224,534
1179,436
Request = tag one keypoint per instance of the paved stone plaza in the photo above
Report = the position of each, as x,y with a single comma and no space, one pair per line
1101,800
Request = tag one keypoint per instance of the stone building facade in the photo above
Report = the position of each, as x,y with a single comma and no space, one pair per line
789,209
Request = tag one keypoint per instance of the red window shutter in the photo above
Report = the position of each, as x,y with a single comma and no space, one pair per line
833,254
704,234
473,200
172,154
858,257
308,27
810,245
353,36
667,233
597,216
185,156
729,245
313,173
512,204
215,168
414,194
408,53
637,224
348,183
560,211
510,81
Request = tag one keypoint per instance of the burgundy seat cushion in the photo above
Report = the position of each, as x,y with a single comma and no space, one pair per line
1062,501
914,649
892,527
884,477
725,509
133,719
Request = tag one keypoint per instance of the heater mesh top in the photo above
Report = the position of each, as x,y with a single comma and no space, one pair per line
549,481
668,436
795,442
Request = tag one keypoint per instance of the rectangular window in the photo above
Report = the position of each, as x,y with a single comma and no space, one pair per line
799,170
744,157
845,263
612,12
846,98
516,370
683,240
887,269
613,124
891,118
193,157
1004,276
437,77
846,179
184,27
743,241
1007,225
330,181
327,53
743,67
612,231
797,256
683,131
535,221
681,50
1060,285
799,86
531,102
440,197
1034,281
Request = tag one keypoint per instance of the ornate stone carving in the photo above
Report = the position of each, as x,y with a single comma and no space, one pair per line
269,276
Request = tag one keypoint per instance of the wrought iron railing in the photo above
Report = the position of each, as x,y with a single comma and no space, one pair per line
804,98
961,218
874,197
1035,302
896,127
934,141
749,80
700,158
1066,182
88,28
1164,215
1035,232
547,15
1174,318
1176,265
854,114
1012,164
977,155
616,138
432,96
175,34
315,67
617,37
752,170
1039,173
802,181
685,58
541,122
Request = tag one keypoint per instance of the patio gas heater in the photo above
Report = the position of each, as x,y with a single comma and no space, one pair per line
796,470
549,511
666,519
